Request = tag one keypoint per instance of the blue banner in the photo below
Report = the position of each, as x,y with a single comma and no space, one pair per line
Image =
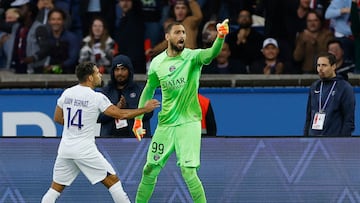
278,111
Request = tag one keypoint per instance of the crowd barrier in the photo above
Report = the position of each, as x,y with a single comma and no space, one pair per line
233,170
10,80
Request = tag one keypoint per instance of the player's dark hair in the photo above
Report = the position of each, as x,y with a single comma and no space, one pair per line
169,27
331,57
83,70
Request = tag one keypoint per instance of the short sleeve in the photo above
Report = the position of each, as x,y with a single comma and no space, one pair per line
61,99
103,101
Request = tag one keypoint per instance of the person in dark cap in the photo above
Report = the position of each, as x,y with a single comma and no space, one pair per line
124,92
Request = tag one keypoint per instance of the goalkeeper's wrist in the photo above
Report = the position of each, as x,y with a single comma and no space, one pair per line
221,36
137,118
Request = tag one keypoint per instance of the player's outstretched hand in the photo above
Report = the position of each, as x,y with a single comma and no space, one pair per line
138,130
223,28
151,105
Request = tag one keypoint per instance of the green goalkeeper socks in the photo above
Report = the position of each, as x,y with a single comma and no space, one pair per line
194,184
147,184
145,189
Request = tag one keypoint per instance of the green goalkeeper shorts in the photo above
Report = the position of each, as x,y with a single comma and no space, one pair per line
184,139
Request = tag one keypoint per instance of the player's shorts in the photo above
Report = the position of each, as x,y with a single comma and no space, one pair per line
94,168
184,139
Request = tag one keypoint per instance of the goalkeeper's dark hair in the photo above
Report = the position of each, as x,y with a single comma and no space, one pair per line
83,70
168,28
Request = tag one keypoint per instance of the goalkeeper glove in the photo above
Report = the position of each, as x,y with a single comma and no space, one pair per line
138,129
223,28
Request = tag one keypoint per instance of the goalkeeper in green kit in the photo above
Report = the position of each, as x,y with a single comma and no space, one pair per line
177,71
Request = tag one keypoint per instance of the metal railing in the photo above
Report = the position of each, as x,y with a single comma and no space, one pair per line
10,80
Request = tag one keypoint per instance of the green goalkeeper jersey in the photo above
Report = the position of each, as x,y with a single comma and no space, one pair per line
178,78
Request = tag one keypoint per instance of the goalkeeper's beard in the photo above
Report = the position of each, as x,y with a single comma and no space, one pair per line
176,48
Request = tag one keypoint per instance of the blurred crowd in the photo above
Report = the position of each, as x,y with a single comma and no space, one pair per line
266,36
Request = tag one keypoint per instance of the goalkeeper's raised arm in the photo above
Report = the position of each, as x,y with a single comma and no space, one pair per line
207,55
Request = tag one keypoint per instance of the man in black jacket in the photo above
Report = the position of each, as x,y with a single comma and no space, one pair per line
331,102
125,93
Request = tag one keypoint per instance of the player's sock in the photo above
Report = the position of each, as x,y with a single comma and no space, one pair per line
194,184
118,194
148,182
145,189
50,196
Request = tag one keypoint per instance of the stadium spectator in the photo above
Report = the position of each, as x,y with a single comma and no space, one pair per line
11,17
123,91
296,22
270,63
310,42
64,47
130,34
25,49
343,66
245,42
73,19
98,47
